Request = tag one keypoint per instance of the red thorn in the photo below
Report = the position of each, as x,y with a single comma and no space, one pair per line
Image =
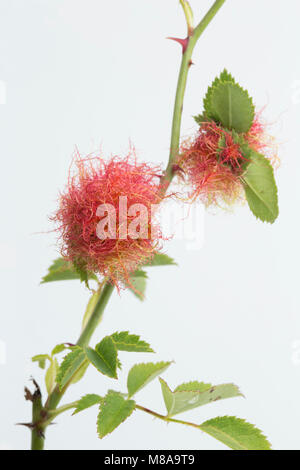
191,63
183,42
176,169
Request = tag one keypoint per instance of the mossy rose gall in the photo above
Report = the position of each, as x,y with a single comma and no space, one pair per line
213,161
102,189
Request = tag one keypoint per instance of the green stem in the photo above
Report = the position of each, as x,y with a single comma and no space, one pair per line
166,418
181,86
57,394
94,319
53,413
84,338
37,439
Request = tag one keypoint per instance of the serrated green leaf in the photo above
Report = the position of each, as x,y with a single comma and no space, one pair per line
78,375
124,341
194,394
41,359
70,365
83,273
119,364
50,377
138,285
236,433
260,188
231,106
87,401
168,395
141,374
200,118
113,411
223,77
58,349
193,386
62,270
140,273
161,259
104,357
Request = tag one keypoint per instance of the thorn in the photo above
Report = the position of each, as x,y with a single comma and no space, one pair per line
27,425
32,426
183,42
191,63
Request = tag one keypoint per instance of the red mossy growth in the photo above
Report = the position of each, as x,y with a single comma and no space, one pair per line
212,170
262,142
212,174
96,182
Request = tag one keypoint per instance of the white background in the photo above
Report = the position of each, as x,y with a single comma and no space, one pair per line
97,73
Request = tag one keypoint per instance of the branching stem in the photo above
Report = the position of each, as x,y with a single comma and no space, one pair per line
42,416
180,92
